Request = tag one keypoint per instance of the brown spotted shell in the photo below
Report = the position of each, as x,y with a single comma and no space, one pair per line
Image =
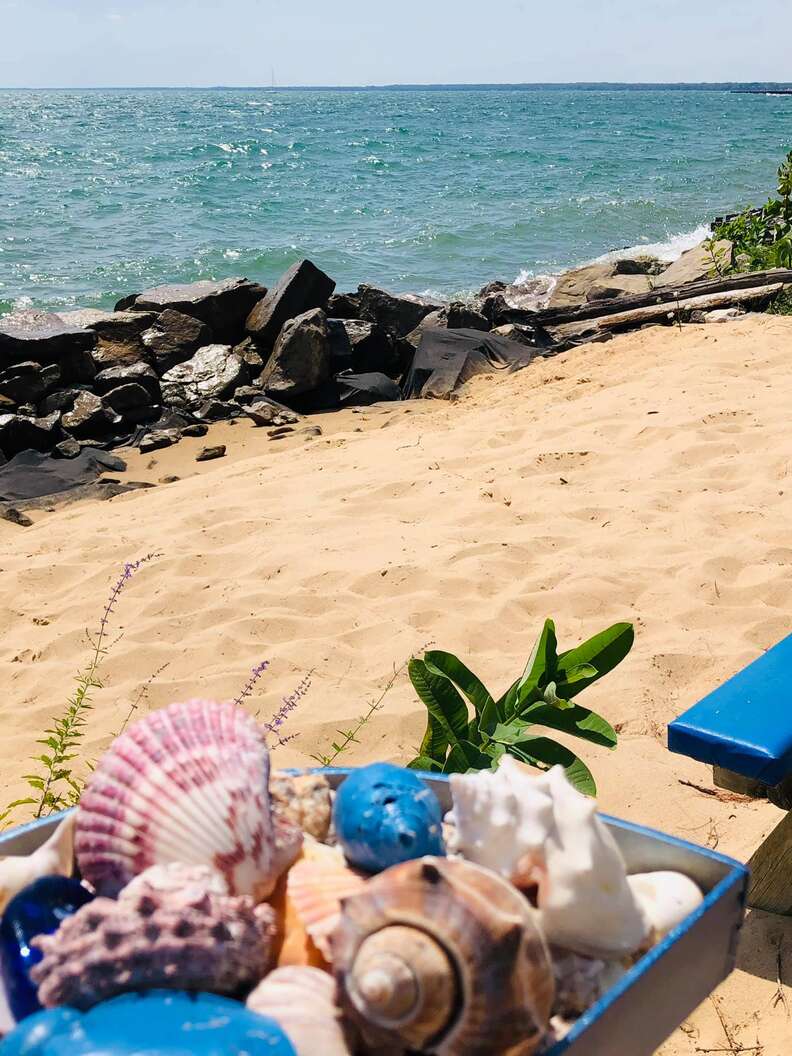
444,957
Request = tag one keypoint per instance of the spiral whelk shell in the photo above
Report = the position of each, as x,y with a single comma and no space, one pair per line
444,957
302,1001
180,936
187,784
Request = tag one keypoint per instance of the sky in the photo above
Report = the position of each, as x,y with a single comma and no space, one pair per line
95,43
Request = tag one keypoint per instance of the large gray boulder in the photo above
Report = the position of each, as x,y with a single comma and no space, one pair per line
40,337
399,314
20,433
89,418
174,338
134,374
213,373
223,306
118,334
300,362
23,383
595,282
360,346
302,288
132,402
701,262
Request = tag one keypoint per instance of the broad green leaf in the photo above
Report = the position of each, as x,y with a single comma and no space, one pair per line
507,705
544,753
435,743
423,762
603,652
541,666
578,721
551,697
511,732
442,700
464,757
452,667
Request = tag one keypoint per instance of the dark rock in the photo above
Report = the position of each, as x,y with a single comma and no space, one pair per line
217,411
396,313
40,337
134,373
492,288
169,479
223,306
27,409
213,373
210,453
77,367
22,383
196,429
266,412
62,400
90,418
344,306
51,376
302,288
360,346
15,516
300,361
125,303
156,440
247,394
461,316
118,334
18,433
603,293
173,338
68,448
250,356
645,265
132,402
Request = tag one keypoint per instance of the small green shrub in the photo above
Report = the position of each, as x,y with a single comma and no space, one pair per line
456,742
763,237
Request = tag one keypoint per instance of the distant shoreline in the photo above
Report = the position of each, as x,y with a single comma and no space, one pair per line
742,87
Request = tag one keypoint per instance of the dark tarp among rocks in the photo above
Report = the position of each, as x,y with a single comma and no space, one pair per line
31,475
361,390
446,359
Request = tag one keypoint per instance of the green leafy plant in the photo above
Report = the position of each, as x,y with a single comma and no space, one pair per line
457,741
762,237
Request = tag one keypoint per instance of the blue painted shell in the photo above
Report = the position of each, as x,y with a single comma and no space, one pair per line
385,815
156,1023
38,909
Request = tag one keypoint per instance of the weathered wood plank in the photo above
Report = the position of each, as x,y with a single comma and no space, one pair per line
744,786
684,306
771,872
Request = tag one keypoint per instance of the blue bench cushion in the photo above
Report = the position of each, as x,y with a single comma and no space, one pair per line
745,725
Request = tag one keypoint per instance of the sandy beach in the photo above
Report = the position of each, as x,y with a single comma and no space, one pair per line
647,479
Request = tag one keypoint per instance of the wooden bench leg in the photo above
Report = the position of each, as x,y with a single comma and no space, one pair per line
744,786
771,872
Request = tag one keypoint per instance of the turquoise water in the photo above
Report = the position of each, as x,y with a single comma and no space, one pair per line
106,192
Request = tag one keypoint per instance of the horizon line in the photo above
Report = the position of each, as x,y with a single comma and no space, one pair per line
406,86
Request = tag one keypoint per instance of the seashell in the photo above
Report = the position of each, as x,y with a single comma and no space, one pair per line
188,939
305,801
188,784
39,908
303,1002
315,886
667,899
442,955
582,981
384,815
547,834
155,1023
53,858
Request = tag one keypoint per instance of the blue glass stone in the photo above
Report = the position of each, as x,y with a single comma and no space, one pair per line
384,815
154,1023
37,910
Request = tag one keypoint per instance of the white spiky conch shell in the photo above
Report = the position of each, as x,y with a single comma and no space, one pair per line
443,956
53,858
188,784
302,1000
536,829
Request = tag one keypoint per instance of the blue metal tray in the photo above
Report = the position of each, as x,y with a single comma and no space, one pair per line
667,984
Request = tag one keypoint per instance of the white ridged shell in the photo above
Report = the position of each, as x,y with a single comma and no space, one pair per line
666,898
302,1001
189,785
536,829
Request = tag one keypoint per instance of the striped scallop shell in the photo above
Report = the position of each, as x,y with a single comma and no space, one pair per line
315,887
189,784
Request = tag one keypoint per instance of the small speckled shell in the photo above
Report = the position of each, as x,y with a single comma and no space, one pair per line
187,784
443,956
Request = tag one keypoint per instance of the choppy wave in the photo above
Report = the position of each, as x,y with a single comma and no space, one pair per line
440,191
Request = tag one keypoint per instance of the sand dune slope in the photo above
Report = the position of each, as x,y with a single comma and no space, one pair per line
648,479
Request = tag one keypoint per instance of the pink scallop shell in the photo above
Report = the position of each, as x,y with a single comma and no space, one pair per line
188,784
315,889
